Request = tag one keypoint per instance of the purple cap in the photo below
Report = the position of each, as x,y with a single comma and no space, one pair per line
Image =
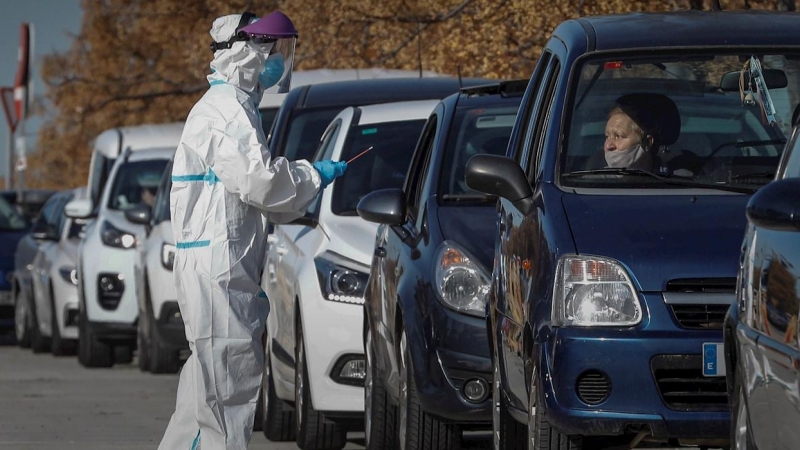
275,24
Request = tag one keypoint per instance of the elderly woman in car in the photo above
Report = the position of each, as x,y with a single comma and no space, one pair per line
630,138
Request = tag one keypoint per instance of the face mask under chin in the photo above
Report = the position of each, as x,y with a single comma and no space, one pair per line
635,157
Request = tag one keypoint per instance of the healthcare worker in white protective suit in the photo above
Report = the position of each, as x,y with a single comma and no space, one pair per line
224,185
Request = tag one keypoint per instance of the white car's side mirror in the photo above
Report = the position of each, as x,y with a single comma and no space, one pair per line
79,209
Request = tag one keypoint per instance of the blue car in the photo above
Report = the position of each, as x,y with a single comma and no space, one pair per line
639,141
428,368
762,343
12,228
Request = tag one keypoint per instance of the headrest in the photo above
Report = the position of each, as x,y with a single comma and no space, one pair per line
657,114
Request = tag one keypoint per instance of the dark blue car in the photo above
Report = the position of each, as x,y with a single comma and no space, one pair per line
762,343
12,228
428,367
638,143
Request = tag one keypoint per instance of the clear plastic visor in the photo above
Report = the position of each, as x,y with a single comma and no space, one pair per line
282,48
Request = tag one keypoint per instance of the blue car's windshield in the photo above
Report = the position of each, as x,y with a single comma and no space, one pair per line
10,220
680,117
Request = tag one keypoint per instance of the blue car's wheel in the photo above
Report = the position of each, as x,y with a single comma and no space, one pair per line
380,432
416,429
541,436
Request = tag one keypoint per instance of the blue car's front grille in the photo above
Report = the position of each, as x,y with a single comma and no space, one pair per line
683,387
700,317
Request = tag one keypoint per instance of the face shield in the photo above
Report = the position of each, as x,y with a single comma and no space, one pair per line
273,36
276,74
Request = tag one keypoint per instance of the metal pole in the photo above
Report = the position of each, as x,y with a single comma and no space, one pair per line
10,159
20,162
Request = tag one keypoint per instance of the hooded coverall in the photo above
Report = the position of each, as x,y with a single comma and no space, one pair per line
224,184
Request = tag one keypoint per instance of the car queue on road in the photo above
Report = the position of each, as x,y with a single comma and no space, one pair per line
490,263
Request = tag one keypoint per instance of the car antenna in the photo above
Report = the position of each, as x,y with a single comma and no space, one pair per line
460,84
715,6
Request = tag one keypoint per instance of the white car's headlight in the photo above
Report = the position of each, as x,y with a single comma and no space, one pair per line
167,256
461,284
594,291
339,278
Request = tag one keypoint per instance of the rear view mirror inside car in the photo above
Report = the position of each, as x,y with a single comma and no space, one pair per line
775,79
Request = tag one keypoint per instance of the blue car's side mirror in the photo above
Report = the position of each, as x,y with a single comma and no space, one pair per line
776,206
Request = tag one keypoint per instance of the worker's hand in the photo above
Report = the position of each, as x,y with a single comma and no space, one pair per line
329,171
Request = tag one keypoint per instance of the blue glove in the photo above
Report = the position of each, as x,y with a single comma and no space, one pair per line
329,171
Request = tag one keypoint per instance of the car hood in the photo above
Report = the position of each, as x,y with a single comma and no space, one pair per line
351,237
474,228
661,237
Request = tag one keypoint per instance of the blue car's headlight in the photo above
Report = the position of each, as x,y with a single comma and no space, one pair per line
461,284
594,291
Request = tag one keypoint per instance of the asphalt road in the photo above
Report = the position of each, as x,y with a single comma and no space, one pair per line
55,403
48,402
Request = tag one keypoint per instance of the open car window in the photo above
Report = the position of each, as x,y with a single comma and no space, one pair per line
383,167
702,129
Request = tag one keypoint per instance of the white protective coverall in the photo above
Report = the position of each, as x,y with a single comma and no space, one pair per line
224,184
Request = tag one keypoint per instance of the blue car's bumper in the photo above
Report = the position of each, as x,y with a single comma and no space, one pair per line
449,349
598,381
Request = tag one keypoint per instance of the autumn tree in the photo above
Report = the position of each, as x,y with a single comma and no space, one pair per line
145,61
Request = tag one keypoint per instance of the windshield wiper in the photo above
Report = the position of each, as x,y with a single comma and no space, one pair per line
673,180
766,174
483,198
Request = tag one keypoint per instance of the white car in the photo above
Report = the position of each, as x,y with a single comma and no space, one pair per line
47,319
315,276
54,278
108,305
161,338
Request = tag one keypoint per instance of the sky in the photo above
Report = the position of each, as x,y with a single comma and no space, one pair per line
54,22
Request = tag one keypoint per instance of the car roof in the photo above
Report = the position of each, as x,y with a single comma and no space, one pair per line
684,29
373,91
396,111
152,153
137,137
314,76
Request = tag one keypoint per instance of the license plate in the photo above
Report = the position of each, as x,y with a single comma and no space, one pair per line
6,298
713,359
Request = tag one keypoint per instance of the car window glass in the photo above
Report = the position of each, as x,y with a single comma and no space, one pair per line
535,86
61,218
543,118
474,130
305,130
10,220
267,118
415,175
791,163
383,167
101,167
690,126
132,179
161,209
328,142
